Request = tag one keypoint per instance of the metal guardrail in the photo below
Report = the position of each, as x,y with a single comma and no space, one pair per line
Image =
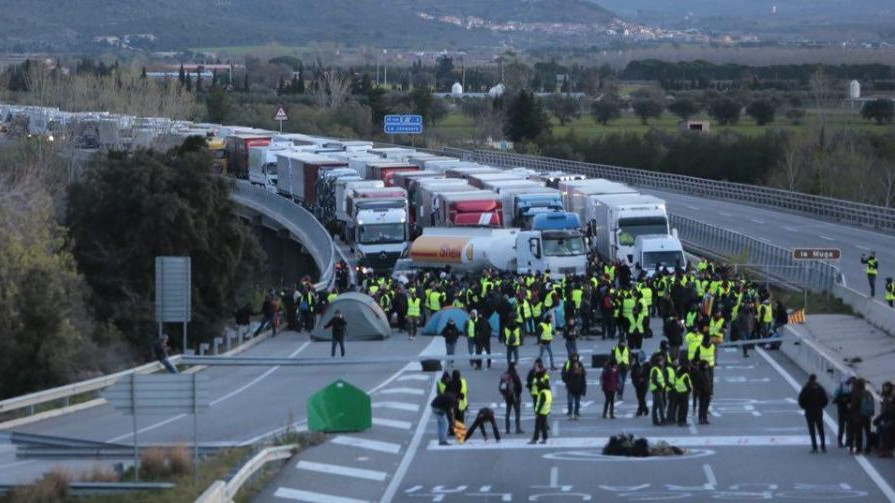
221,491
81,488
848,212
777,262
297,220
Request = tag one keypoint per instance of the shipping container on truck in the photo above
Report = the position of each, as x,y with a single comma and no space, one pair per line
578,197
498,186
404,179
468,209
478,180
263,165
507,250
620,218
295,140
464,172
325,206
418,158
441,164
553,178
427,190
344,187
385,170
393,153
525,203
218,155
297,174
237,147
359,163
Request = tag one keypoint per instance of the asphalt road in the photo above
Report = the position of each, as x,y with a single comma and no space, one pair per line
789,230
756,448
247,403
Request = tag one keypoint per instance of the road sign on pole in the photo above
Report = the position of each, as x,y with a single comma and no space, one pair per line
160,394
173,286
403,124
816,253
280,117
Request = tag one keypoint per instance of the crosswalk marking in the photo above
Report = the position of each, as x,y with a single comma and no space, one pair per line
599,442
363,443
409,407
311,497
413,377
402,391
392,423
346,471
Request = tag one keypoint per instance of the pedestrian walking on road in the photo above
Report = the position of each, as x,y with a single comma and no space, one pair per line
512,337
609,384
469,331
841,397
622,356
576,387
543,402
484,415
640,380
813,400
890,292
871,268
160,351
510,388
545,339
704,387
338,324
460,388
885,421
450,334
443,407
570,335
482,340
413,313
657,388
268,311
683,385
861,408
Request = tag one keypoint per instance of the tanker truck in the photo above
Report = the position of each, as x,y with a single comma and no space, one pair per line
562,252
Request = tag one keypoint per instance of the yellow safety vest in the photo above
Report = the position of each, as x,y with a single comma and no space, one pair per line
715,326
374,289
463,403
470,328
546,332
536,310
513,337
767,315
441,386
890,291
656,379
435,301
647,294
691,318
872,266
707,354
545,400
621,357
609,270
669,377
637,323
683,384
693,340
628,307
413,307
577,294
526,309
331,297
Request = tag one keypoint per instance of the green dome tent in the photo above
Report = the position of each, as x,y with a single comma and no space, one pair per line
339,407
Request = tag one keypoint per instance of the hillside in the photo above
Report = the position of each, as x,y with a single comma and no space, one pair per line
174,24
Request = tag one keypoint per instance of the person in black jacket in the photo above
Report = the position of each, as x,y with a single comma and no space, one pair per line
338,325
451,333
640,380
485,415
813,399
510,388
482,339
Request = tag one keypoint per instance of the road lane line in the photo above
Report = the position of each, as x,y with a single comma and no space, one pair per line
363,443
402,391
862,248
409,407
311,497
554,476
869,469
828,238
392,423
724,214
710,476
414,377
409,454
344,471
692,207
757,221
790,229
600,442
147,428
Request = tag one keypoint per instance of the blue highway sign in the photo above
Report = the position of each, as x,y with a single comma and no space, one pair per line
403,124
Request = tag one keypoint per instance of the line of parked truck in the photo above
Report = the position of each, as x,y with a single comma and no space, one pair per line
399,205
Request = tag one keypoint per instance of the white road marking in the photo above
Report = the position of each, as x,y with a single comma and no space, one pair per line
862,247
311,497
213,402
828,238
345,471
402,391
710,476
790,229
409,407
757,220
363,443
692,207
693,430
392,423
414,377
555,431
869,469
554,476
409,454
599,442
724,214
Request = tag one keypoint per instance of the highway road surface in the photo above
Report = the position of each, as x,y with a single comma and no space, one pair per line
756,447
790,230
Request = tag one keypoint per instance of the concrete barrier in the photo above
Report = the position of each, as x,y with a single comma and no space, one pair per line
225,492
876,313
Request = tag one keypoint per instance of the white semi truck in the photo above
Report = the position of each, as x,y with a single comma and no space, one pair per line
475,249
620,218
657,252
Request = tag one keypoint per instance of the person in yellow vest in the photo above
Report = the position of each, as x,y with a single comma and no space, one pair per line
717,326
543,403
512,337
871,268
646,297
469,330
703,388
765,318
524,308
460,388
638,321
622,356
890,292
628,305
670,377
681,394
413,312
693,339
706,353
657,388
545,340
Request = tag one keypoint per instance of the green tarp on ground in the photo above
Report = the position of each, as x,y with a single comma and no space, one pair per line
339,407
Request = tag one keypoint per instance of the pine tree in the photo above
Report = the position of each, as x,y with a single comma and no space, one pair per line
181,77
245,83
143,73
198,79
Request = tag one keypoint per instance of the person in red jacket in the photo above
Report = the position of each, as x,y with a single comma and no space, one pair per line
609,383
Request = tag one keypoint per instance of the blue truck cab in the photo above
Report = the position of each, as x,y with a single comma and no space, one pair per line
527,206
555,220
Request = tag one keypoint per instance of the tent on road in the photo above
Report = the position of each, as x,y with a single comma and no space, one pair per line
366,320
438,320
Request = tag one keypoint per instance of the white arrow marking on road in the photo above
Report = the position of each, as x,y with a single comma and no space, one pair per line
346,471
399,391
363,443
311,497
409,407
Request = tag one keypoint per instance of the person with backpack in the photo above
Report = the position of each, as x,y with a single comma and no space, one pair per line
510,388
841,397
861,409
813,400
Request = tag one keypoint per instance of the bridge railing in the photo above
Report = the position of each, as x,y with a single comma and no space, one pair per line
867,215
297,220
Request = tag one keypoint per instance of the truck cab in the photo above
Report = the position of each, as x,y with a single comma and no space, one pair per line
561,252
544,220
263,166
527,206
380,233
655,252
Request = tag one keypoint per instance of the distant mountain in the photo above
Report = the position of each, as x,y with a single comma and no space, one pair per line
176,24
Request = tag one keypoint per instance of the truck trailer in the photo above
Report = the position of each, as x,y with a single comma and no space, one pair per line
620,218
